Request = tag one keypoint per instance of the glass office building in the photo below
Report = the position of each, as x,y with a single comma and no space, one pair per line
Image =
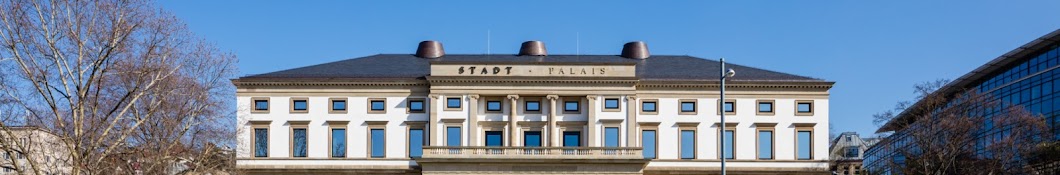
1027,76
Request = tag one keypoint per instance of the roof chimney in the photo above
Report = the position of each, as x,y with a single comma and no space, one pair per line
532,48
635,50
430,49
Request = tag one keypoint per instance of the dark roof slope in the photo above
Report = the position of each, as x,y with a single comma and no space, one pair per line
401,66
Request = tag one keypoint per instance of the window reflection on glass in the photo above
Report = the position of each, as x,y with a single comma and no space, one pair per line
730,107
571,106
300,148
452,103
338,142
338,105
533,106
611,103
493,106
261,142
765,107
299,105
688,107
261,105
378,105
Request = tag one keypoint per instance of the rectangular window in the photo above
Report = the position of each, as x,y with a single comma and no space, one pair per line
338,105
572,138
852,151
300,105
378,143
493,106
261,105
299,141
533,106
452,136
688,107
648,106
452,103
611,137
804,145
377,105
416,106
765,107
494,138
338,142
261,142
648,142
688,144
730,107
611,103
532,138
415,142
765,144
570,106
729,144
803,107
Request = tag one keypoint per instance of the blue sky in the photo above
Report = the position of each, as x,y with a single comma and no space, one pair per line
874,50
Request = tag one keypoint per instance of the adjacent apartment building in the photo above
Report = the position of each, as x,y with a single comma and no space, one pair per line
530,113
847,152
1028,76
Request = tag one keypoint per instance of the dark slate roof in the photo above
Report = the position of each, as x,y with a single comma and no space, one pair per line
401,66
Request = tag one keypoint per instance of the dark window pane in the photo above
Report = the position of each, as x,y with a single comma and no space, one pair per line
648,106
452,135
648,142
729,107
728,144
338,105
378,143
494,138
572,138
493,106
533,106
378,105
804,145
261,142
765,107
611,137
338,142
765,144
300,148
415,142
570,106
611,103
416,106
688,144
299,105
261,105
852,151
805,107
532,138
688,107
452,103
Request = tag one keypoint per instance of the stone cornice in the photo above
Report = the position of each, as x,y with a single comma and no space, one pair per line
238,83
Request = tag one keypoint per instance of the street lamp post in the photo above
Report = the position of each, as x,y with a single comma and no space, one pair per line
724,74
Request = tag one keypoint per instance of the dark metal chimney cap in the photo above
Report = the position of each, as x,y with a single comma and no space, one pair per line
635,50
533,48
430,49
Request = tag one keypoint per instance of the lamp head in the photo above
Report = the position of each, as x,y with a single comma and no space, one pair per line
730,73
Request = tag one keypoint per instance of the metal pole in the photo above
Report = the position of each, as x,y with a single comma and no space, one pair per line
722,60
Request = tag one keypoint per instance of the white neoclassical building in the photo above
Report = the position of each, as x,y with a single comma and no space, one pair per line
530,113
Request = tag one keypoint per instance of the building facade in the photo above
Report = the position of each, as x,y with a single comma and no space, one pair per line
530,113
1027,76
26,149
847,152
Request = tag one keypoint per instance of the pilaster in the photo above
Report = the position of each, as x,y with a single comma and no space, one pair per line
513,101
590,110
472,118
553,132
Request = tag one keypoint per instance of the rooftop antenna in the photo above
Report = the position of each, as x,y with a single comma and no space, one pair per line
578,43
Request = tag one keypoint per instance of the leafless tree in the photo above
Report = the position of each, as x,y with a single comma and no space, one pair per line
124,86
963,132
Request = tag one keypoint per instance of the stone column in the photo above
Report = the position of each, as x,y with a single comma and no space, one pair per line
432,125
553,132
631,122
513,101
472,121
590,110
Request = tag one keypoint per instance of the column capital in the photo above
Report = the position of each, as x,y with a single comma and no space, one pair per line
513,97
434,96
591,97
631,97
552,97
473,96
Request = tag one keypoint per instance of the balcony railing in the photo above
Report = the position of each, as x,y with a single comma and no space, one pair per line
474,152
